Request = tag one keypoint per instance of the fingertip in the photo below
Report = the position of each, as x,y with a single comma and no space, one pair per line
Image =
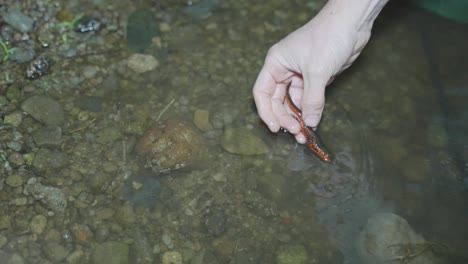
312,120
300,138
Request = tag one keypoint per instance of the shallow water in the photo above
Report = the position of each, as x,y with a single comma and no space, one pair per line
396,121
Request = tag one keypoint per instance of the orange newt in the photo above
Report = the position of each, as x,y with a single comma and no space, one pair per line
313,141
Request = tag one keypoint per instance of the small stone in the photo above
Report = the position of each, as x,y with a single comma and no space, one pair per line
81,233
105,213
38,67
55,252
44,109
141,63
23,53
292,254
5,221
242,141
164,27
18,201
108,134
87,24
3,240
172,257
19,21
76,256
14,180
38,224
201,119
126,215
216,222
136,185
111,252
49,137
47,161
15,159
52,197
13,119
167,241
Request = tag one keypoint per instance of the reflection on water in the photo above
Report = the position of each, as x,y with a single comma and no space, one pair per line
396,122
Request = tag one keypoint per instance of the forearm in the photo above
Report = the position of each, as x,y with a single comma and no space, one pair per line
357,13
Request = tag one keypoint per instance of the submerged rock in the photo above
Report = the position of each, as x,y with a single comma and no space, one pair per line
49,137
38,67
19,21
87,24
47,162
141,63
292,254
242,141
386,236
178,145
52,197
111,252
141,28
44,109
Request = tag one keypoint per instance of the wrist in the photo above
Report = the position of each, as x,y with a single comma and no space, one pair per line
359,14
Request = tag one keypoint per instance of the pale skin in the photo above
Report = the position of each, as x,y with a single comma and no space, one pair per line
310,58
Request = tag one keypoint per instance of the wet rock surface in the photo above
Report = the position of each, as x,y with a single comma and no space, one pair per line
19,21
242,141
178,145
44,109
49,137
38,67
52,197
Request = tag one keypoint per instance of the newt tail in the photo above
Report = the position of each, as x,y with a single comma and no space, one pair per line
313,141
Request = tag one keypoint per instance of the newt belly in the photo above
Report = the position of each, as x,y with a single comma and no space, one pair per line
313,141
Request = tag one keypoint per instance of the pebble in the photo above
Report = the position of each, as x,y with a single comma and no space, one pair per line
81,233
242,141
44,109
49,137
23,53
292,254
19,21
13,119
55,252
5,221
141,63
14,180
88,24
108,134
141,28
164,27
111,252
167,240
172,257
38,224
3,240
126,215
48,162
201,119
15,159
18,201
216,222
37,68
52,197
76,256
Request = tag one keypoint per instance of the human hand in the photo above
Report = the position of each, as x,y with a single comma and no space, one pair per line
310,58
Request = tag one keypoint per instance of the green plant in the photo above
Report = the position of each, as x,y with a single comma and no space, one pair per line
6,50
69,24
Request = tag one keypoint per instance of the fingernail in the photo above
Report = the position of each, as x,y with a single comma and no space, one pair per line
312,120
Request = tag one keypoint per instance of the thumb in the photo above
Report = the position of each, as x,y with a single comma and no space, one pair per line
313,100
